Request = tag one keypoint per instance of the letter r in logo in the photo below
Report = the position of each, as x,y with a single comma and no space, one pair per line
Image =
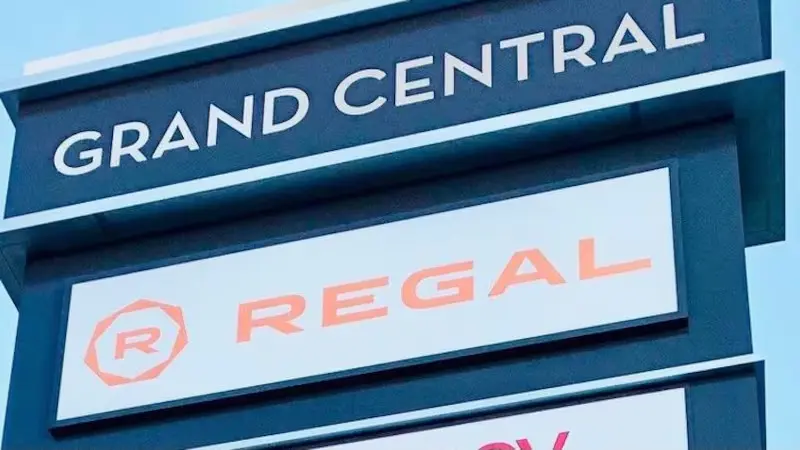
142,340
145,352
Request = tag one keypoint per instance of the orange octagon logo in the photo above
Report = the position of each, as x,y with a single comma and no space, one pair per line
141,340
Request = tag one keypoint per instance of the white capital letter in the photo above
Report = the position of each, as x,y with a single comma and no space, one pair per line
640,40
94,156
243,127
561,56
451,64
187,138
341,91
303,104
671,31
133,150
402,85
522,43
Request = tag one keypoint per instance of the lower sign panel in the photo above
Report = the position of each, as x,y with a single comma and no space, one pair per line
656,421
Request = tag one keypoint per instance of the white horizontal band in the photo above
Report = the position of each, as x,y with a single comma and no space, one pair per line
488,405
271,18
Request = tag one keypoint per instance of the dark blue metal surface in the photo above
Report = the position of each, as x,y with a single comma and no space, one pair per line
733,36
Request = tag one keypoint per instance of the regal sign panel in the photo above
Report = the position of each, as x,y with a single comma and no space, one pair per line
369,86
500,273
655,421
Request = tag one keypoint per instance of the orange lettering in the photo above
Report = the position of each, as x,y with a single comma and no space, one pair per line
588,266
128,340
282,322
511,276
464,286
332,303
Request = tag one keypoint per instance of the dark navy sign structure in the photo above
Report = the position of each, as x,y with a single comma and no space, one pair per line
445,69
348,119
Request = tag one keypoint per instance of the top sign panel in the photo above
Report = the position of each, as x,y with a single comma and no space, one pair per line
445,69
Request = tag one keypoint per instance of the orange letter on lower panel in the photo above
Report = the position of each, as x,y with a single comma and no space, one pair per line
332,303
588,263
125,341
464,286
511,276
281,322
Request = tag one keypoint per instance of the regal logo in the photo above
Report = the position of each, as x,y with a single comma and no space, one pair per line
122,350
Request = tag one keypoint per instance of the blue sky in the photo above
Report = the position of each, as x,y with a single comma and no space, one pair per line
34,29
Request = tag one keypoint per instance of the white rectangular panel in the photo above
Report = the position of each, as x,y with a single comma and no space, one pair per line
655,421
528,267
